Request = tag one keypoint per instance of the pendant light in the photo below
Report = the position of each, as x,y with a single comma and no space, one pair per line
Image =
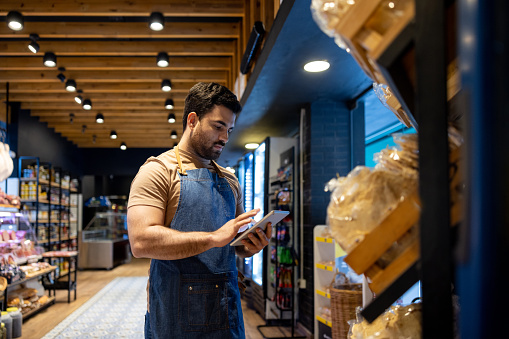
70,85
123,146
173,135
87,104
49,59
156,21
169,104
113,135
15,20
99,118
171,118
163,60
166,85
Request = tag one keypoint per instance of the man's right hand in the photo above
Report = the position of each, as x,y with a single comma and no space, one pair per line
228,231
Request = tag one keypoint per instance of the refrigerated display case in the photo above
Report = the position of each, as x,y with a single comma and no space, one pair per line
259,167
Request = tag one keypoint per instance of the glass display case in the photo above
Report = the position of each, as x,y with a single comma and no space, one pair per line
104,242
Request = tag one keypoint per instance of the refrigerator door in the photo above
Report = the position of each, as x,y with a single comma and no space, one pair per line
258,202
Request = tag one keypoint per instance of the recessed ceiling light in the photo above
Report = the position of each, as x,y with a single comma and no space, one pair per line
252,145
316,66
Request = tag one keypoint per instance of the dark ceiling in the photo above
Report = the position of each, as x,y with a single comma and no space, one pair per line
279,86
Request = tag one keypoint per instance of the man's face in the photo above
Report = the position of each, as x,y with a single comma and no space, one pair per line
211,133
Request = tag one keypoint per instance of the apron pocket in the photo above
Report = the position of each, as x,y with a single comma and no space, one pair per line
207,302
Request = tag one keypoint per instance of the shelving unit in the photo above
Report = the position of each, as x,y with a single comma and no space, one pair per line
324,269
49,199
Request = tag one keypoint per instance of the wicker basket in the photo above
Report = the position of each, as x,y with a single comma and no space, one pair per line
344,300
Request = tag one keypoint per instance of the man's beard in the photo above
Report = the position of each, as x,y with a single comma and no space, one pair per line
199,145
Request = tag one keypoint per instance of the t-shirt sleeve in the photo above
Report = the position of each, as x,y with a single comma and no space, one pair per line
150,186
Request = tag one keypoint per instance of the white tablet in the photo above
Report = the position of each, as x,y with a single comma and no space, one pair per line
273,217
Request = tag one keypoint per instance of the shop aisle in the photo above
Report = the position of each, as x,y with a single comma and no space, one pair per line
92,281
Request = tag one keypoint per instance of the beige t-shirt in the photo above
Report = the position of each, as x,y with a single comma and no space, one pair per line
157,183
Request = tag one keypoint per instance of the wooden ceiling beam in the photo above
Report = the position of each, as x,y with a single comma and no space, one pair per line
112,63
96,106
114,76
113,113
65,96
122,48
169,8
124,30
88,88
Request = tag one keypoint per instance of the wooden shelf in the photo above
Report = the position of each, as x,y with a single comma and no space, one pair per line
51,301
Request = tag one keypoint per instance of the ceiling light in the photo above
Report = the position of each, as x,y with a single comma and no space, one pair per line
33,47
15,20
78,99
317,66
166,85
251,145
83,128
156,21
113,135
61,77
169,104
171,118
94,137
173,135
71,117
49,59
87,104
163,60
70,85
123,146
99,118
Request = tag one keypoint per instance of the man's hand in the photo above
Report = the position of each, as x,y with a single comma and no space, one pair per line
228,231
257,242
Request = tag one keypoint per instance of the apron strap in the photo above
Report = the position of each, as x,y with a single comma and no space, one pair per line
180,168
182,171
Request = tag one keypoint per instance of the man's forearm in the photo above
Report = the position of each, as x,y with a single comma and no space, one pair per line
163,243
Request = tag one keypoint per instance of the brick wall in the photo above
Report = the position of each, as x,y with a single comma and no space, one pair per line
327,151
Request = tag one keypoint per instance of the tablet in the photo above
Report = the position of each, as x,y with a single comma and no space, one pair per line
273,217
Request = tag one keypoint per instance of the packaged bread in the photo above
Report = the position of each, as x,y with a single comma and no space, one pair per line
397,322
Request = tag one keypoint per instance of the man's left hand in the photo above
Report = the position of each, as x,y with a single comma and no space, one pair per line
257,240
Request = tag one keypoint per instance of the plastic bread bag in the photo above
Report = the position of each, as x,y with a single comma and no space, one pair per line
362,199
327,15
398,322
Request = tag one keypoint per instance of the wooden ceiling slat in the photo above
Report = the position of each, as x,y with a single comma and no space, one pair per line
122,30
34,63
178,98
175,8
114,76
88,88
121,48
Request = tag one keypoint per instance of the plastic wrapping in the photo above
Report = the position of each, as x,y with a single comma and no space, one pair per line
362,199
398,322
327,15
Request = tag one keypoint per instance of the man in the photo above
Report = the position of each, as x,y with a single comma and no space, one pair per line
183,212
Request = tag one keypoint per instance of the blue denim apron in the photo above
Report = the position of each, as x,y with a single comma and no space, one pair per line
198,297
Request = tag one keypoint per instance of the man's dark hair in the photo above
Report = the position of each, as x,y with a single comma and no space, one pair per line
203,97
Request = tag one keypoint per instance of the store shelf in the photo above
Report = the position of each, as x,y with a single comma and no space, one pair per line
51,301
324,321
323,294
326,240
325,267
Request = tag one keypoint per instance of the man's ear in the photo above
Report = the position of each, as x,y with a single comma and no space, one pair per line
192,119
